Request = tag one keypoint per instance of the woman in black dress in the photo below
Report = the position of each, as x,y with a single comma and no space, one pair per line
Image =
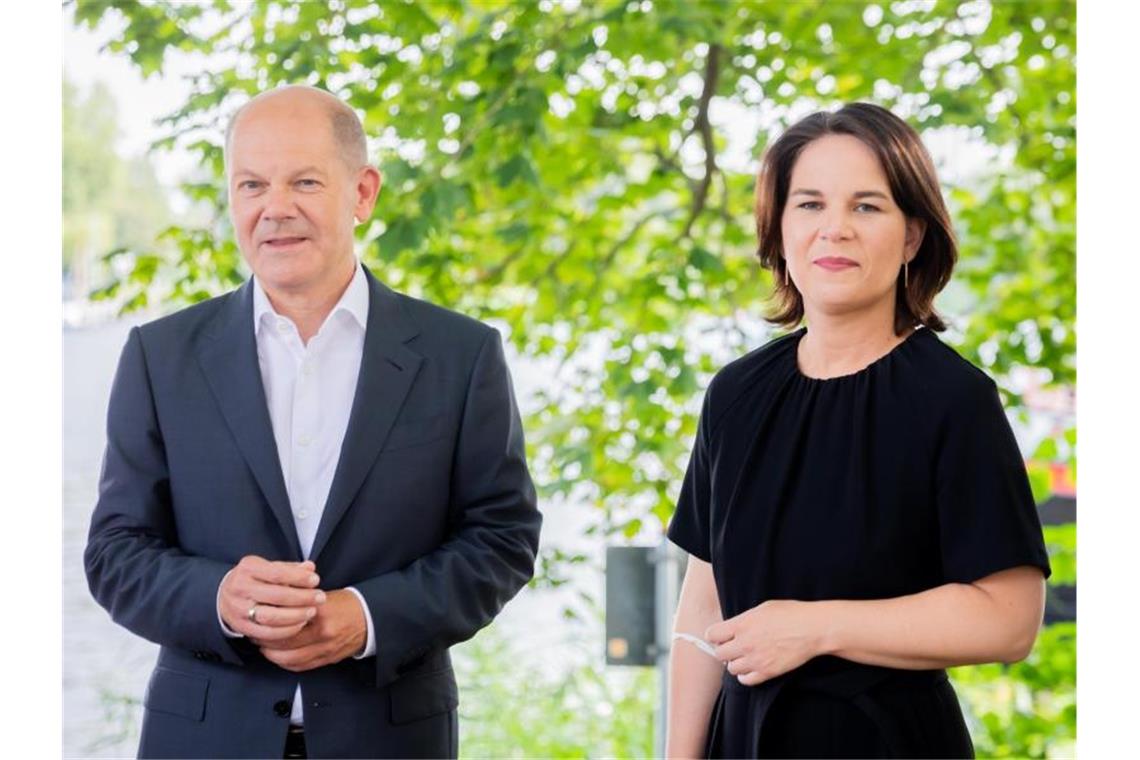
856,511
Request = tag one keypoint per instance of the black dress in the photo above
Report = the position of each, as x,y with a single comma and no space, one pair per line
895,479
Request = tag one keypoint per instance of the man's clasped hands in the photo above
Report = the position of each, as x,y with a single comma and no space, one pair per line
279,607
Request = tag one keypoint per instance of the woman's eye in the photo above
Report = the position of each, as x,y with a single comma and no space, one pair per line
810,205
866,207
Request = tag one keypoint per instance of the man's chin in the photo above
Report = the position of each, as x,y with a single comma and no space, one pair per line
286,276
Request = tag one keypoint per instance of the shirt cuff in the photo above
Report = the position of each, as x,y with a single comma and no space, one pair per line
229,634
370,644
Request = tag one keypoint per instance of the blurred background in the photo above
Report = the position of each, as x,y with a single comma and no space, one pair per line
580,175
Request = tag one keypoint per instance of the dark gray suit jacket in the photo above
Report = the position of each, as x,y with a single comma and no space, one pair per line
431,516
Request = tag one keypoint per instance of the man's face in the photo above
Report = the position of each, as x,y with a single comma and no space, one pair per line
293,198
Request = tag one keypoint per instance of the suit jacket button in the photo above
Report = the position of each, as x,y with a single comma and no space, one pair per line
283,708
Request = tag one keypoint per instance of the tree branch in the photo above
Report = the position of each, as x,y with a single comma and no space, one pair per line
704,128
612,253
495,271
670,163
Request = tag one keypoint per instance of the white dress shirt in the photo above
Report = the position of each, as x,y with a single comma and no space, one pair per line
309,390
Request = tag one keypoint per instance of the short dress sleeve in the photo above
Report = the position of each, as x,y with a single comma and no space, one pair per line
689,528
987,517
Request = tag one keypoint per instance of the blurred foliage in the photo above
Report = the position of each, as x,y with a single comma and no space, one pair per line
527,706
108,200
1028,709
118,730
545,166
575,171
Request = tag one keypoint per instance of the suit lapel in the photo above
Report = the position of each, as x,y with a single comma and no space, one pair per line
387,370
227,354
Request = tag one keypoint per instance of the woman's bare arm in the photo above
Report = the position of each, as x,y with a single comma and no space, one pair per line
994,619
694,676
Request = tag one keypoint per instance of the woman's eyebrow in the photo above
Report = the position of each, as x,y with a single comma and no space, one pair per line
857,194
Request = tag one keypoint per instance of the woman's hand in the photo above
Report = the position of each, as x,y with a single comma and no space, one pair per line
768,640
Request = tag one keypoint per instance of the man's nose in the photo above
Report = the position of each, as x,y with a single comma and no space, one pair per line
279,204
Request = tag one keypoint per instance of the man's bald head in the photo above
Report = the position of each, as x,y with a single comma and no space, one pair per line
346,128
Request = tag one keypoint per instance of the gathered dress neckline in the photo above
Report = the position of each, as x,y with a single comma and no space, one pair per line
799,334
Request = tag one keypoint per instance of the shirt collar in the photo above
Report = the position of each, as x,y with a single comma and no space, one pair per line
354,301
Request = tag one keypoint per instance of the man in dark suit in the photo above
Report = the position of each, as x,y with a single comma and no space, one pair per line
313,485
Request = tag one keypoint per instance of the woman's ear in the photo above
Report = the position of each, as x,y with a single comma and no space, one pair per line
915,230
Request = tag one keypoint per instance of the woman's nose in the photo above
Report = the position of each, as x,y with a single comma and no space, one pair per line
835,228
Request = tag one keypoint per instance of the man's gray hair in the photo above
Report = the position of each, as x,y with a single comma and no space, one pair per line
347,130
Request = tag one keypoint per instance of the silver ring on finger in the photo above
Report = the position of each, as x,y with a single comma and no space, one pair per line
251,616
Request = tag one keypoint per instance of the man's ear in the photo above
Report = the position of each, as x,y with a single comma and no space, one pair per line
368,182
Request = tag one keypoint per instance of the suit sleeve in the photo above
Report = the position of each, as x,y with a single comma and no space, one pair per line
447,595
135,569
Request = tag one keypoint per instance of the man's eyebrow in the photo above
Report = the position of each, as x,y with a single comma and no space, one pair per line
311,169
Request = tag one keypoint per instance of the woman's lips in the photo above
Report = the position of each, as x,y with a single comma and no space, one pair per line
834,263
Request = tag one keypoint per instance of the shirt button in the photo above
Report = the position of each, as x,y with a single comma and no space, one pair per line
303,514
304,440
282,708
307,369
282,326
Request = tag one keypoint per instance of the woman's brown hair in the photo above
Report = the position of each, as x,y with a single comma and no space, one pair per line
914,186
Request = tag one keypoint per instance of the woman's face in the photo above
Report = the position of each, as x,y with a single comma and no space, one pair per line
844,238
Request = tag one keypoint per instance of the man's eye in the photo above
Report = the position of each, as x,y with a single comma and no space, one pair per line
308,183
248,184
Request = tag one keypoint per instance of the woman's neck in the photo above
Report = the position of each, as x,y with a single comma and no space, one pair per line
842,344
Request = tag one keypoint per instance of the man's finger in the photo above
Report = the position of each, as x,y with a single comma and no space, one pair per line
267,632
278,596
236,611
296,574
307,636
267,614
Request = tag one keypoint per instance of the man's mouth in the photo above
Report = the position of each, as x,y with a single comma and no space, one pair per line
283,242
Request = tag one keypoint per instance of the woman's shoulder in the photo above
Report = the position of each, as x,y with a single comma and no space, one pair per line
947,381
747,374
